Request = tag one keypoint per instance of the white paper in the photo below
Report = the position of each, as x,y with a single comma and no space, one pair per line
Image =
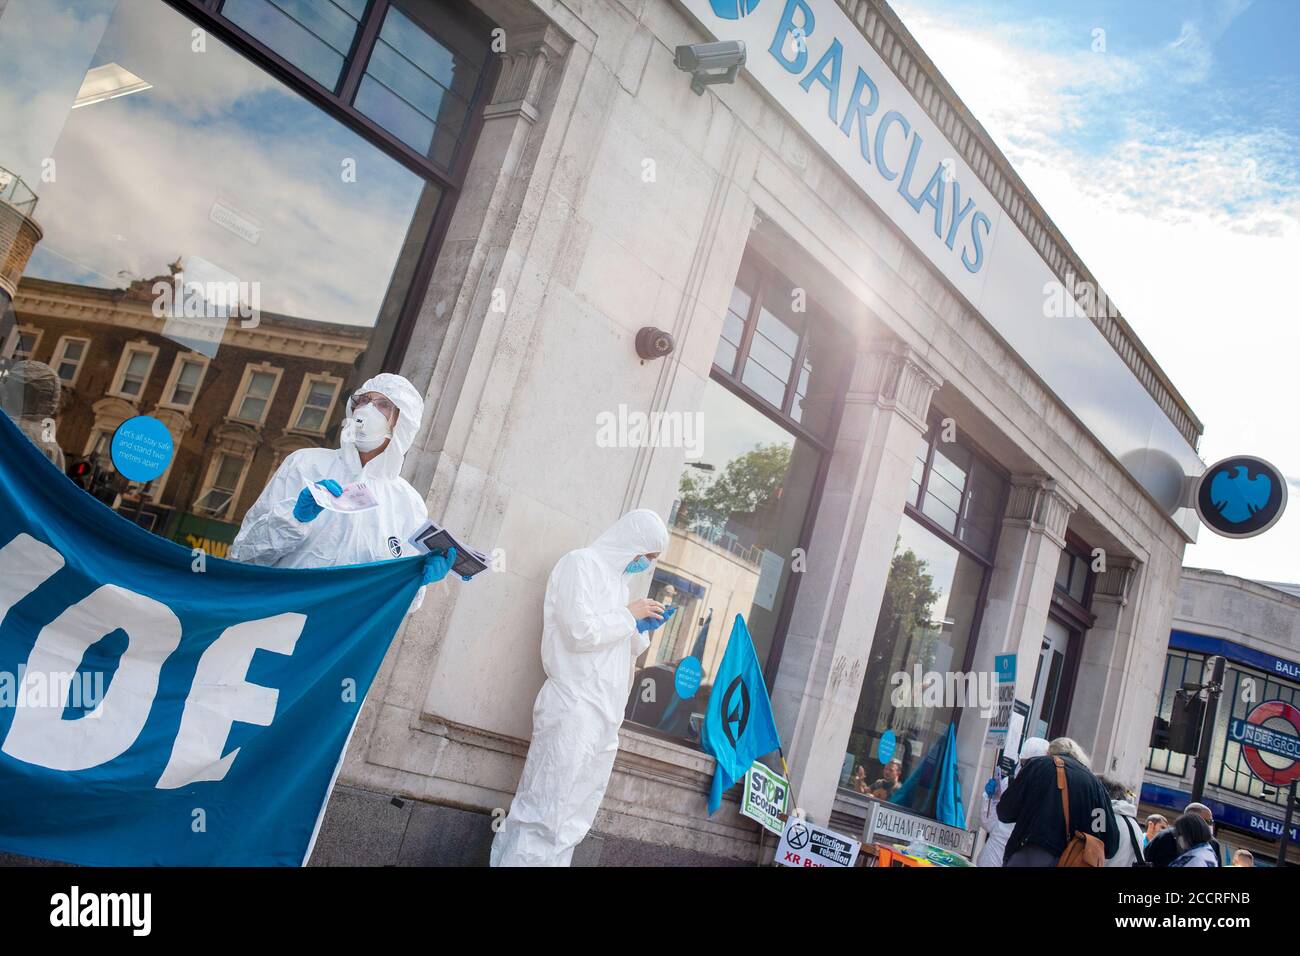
769,579
1015,728
356,497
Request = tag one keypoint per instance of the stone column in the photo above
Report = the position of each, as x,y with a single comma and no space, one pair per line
828,641
1015,612
1102,680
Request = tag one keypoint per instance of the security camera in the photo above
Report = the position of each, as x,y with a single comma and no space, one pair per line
710,63
652,343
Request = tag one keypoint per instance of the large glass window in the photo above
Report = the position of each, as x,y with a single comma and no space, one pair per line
928,615
415,76
924,629
742,507
957,490
218,251
22,343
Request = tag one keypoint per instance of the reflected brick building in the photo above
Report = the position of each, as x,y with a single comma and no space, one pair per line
276,388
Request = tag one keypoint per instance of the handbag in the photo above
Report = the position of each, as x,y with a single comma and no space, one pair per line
1081,849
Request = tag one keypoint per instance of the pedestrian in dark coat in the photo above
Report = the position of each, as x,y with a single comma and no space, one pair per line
1033,804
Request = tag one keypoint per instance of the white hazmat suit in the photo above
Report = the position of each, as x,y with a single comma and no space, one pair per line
995,846
272,536
589,642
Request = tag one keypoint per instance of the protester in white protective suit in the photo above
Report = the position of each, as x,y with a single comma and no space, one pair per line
591,634
286,528
996,844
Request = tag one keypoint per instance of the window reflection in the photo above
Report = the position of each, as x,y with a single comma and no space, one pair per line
779,349
206,168
926,616
313,35
420,79
737,519
733,330
947,483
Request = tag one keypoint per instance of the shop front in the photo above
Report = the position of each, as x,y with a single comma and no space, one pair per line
1253,626
874,440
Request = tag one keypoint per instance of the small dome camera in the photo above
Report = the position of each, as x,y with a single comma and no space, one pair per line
652,343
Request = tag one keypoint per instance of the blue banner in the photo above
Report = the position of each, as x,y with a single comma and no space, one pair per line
161,706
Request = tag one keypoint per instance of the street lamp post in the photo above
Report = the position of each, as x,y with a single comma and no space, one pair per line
1285,843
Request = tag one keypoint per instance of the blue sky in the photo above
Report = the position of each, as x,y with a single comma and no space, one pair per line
1163,139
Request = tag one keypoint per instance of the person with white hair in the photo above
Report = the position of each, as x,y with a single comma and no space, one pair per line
1035,804
287,528
1130,845
996,844
591,634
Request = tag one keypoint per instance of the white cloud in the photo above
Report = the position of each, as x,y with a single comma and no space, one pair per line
138,175
1194,236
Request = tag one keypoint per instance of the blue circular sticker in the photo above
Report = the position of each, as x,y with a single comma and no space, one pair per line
689,675
141,449
885,749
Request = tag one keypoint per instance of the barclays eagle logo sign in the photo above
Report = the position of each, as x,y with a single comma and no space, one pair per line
1240,497
733,9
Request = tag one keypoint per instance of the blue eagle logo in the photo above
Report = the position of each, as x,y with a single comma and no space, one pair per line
1237,496
733,9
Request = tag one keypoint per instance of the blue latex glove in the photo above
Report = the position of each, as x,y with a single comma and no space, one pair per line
306,509
437,564
650,624
991,787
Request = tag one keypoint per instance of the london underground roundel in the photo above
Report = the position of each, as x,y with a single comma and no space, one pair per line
1240,497
1270,741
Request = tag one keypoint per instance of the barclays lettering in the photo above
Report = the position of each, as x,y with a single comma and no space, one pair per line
793,47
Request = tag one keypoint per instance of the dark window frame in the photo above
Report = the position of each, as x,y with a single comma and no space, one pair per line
768,274
913,508
337,104
1077,614
769,277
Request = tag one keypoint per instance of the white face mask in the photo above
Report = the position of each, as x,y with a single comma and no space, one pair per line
367,428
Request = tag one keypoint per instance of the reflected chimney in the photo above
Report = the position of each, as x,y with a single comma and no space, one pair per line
19,234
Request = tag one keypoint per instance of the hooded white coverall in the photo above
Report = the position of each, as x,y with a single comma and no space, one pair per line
589,642
996,845
272,536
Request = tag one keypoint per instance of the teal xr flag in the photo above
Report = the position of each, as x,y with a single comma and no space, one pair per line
738,723
934,788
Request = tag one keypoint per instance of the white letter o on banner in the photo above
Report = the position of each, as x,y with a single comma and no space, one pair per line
39,735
